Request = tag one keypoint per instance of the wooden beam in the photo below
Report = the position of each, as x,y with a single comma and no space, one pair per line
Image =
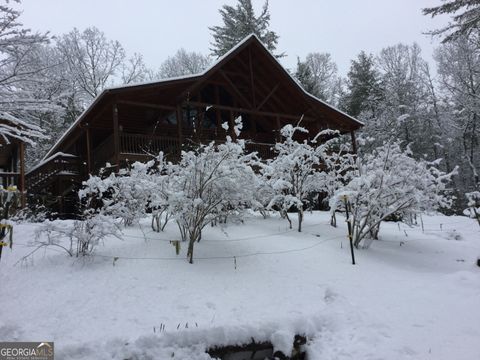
252,82
89,155
267,97
116,137
179,115
96,127
237,92
218,114
231,125
250,111
246,70
147,105
277,121
22,175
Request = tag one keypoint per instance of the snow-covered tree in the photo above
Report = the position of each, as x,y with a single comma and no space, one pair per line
364,91
390,182
239,22
134,70
304,76
293,175
14,128
318,75
207,182
466,18
20,69
16,45
124,195
83,235
473,203
404,91
184,63
61,103
93,60
458,65
338,169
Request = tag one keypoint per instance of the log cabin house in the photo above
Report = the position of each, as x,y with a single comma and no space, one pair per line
130,123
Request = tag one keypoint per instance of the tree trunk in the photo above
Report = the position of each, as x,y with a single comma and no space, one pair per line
300,219
190,250
333,220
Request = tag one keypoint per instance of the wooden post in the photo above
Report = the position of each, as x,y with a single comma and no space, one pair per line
217,110
252,82
23,201
61,202
179,115
89,155
231,125
279,136
354,142
116,137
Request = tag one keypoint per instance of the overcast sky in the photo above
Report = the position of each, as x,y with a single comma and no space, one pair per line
157,28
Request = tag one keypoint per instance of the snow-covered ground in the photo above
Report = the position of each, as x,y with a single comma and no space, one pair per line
412,295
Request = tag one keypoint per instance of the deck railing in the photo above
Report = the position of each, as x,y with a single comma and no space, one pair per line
146,144
139,145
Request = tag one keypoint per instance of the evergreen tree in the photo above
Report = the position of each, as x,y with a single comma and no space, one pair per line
304,76
363,86
465,20
239,22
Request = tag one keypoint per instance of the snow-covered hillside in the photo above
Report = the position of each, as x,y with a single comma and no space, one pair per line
413,295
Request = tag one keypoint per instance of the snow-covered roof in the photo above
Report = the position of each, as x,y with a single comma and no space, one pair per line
193,77
50,158
12,127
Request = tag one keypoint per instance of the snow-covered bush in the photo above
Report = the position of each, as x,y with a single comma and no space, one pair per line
160,193
8,203
207,182
390,182
77,238
262,195
296,173
473,204
338,169
124,195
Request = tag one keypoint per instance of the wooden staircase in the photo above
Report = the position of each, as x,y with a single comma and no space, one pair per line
54,182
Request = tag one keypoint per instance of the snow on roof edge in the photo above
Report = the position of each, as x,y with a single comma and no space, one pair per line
44,161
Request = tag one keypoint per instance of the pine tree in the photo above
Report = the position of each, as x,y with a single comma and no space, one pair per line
239,22
304,76
466,18
363,86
